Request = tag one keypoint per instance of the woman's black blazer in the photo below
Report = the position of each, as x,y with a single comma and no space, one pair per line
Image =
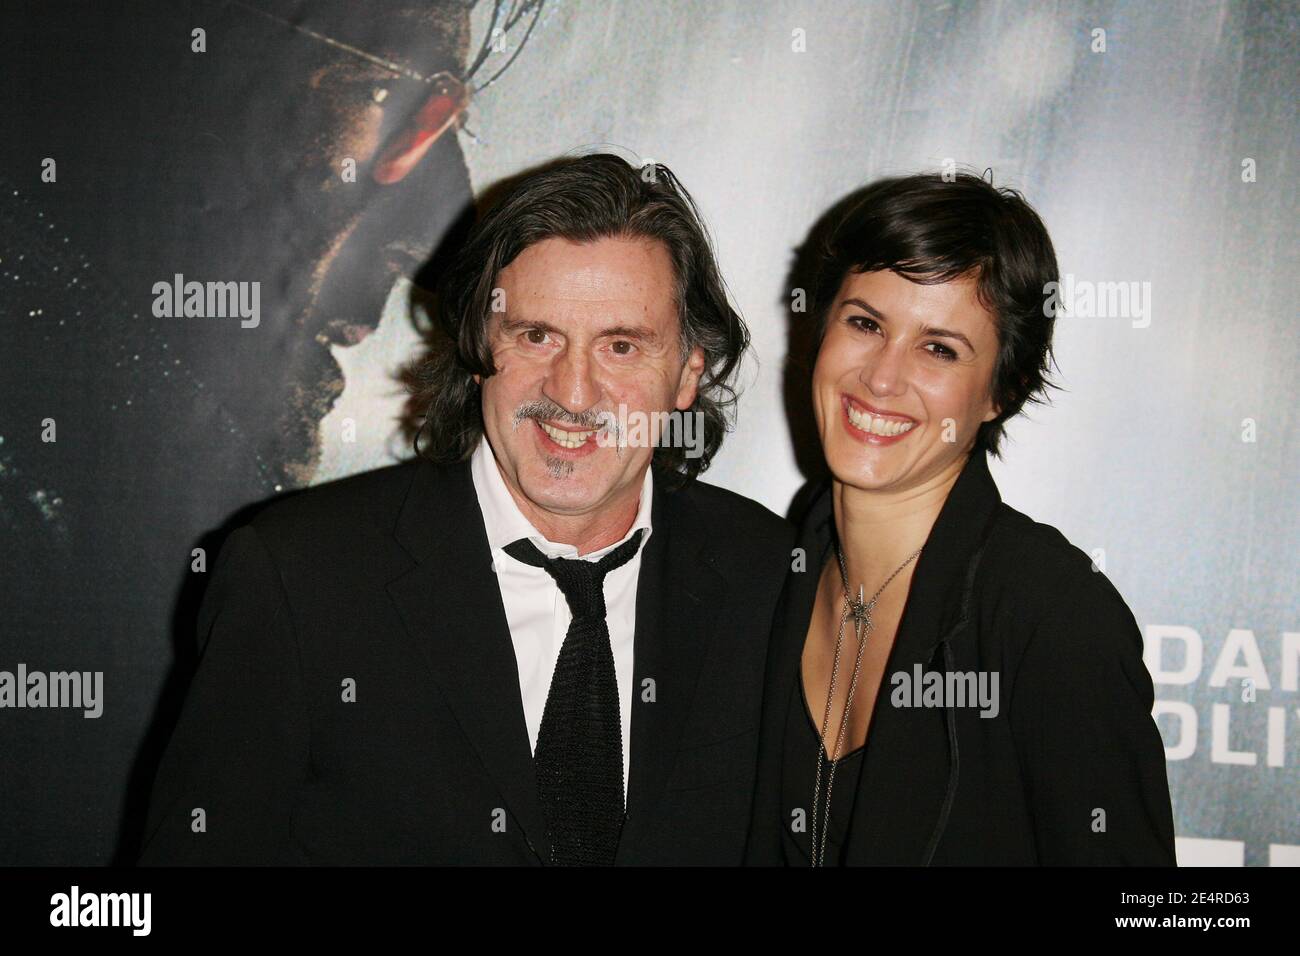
1071,770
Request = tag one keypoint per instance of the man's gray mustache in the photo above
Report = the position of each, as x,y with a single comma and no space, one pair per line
544,410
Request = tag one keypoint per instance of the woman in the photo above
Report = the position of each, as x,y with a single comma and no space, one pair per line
949,682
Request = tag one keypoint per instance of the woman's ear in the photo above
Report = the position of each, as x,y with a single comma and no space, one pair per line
994,406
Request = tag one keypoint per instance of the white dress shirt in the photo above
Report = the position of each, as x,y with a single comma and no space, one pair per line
536,610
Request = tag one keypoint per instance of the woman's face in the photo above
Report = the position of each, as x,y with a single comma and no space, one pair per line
903,379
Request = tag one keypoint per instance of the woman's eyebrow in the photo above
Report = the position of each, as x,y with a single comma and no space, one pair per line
932,331
866,307
936,332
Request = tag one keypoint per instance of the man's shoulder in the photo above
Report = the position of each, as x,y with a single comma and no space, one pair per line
342,508
729,519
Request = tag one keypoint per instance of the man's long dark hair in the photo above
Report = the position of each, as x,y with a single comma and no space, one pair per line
581,199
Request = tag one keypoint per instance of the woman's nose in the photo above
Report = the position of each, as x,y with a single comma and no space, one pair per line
885,374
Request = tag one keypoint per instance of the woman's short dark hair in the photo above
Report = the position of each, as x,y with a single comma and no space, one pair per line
931,229
581,199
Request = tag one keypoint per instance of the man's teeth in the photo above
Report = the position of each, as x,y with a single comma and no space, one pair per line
567,439
884,427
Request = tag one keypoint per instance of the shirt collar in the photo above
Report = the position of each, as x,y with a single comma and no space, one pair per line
504,522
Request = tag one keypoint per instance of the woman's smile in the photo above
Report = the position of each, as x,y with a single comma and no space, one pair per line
875,426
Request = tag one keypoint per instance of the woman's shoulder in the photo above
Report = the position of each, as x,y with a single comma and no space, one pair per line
1033,565
1057,616
1071,649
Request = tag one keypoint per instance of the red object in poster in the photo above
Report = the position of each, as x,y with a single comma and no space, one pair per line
442,109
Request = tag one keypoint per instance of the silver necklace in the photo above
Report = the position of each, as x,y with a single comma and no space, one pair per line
862,625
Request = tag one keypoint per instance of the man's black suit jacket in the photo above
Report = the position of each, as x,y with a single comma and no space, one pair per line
380,588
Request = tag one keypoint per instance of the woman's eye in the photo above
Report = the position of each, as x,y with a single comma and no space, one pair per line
942,351
864,323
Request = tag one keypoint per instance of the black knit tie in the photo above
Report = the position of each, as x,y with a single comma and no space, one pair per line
579,755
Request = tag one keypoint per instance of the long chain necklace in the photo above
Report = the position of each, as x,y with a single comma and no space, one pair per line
862,625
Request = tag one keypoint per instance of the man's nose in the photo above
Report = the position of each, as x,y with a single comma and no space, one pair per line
569,383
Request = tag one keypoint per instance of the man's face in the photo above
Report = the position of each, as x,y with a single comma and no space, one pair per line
902,381
582,328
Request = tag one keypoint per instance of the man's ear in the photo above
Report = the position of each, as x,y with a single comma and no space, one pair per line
689,384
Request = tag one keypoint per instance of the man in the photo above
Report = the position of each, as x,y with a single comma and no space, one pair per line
546,644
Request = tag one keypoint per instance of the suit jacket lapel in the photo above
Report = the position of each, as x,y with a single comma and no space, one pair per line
452,608
678,598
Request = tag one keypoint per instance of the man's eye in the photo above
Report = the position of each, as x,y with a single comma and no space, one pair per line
536,336
623,347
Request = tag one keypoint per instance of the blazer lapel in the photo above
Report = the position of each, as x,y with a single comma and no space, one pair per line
452,608
910,768
678,598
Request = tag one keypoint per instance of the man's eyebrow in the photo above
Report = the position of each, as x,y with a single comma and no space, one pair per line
932,331
638,332
520,325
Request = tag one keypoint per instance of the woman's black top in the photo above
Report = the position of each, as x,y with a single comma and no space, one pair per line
1059,762
803,745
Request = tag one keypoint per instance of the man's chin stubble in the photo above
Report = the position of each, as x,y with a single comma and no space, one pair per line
559,467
